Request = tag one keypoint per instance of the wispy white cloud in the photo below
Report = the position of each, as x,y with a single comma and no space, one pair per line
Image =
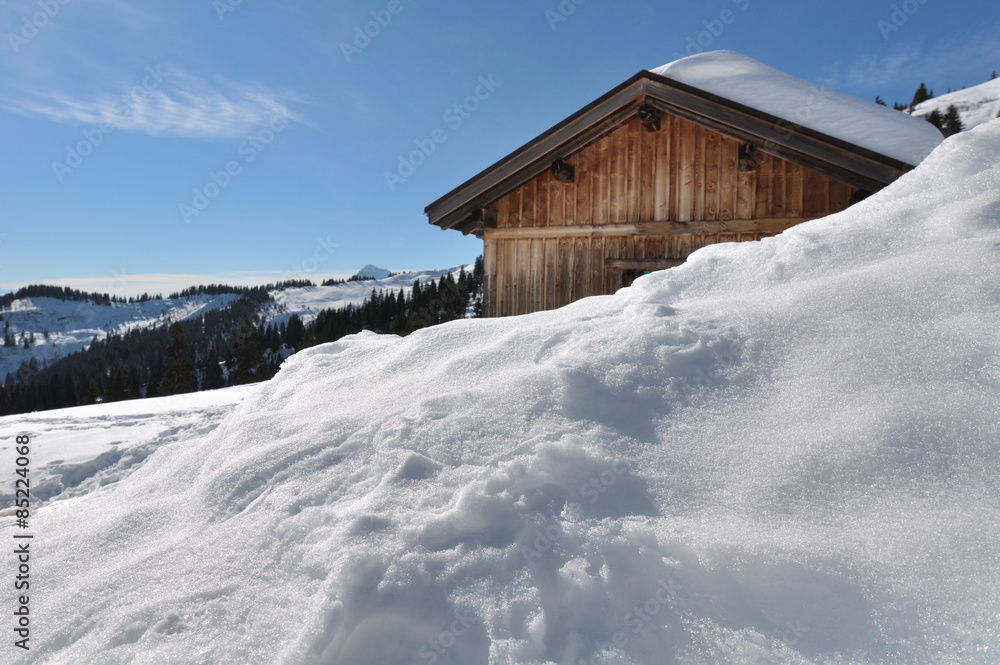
949,59
873,70
169,102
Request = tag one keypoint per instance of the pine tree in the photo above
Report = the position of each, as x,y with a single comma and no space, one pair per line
211,371
879,101
92,394
178,377
936,119
134,382
117,390
993,75
248,354
69,391
921,95
952,122
294,332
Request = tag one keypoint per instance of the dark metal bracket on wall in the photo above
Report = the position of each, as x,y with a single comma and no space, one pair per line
649,116
563,172
749,158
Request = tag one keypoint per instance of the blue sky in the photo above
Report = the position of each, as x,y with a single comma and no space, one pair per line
152,145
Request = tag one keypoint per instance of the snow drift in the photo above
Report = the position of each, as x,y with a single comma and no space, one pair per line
780,452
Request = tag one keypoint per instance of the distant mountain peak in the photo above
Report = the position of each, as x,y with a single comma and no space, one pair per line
372,272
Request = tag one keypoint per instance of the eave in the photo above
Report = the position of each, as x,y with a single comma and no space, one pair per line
848,163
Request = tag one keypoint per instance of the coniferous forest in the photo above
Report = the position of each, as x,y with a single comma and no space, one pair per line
235,345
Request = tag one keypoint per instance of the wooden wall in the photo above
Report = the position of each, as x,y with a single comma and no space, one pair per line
554,240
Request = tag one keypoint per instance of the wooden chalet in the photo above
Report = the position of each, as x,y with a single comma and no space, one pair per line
637,181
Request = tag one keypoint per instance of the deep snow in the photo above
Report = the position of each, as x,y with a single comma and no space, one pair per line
747,81
91,446
780,452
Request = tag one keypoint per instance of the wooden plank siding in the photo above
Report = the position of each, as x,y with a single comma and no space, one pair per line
640,199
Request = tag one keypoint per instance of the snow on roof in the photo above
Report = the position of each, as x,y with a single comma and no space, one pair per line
976,105
754,84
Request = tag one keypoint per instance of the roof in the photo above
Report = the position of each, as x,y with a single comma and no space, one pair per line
856,121
775,123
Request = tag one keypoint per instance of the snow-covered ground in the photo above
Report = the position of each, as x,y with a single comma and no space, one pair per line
73,325
976,105
779,452
745,80
91,446
310,301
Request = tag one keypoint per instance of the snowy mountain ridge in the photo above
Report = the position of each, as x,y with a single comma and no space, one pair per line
60,328
976,105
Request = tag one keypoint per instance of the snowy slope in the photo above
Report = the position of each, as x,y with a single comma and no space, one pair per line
72,325
975,105
91,446
779,452
310,301
749,82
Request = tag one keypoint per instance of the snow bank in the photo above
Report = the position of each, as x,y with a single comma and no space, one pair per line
749,82
91,446
780,452
976,105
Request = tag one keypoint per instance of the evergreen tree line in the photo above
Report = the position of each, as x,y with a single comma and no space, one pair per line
10,339
63,293
948,123
138,359
229,346
223,289
353,278
401,313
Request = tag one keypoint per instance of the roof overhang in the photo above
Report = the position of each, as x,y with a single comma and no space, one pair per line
851,164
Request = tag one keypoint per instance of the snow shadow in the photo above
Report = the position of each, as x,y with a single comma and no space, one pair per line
394,617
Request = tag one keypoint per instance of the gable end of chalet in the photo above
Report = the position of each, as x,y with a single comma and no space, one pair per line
637,181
